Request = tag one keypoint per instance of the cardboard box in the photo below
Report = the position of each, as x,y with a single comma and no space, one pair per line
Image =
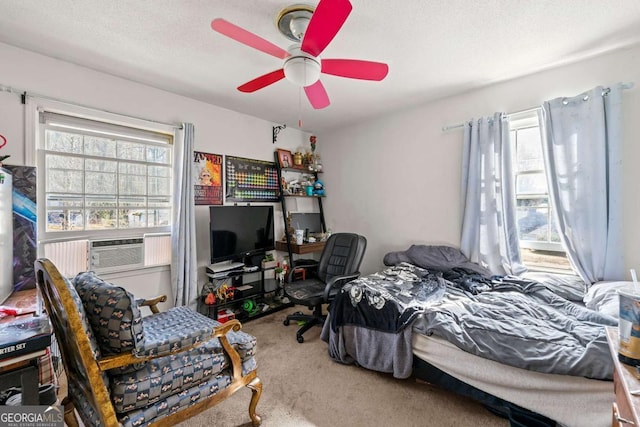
225,315
269,264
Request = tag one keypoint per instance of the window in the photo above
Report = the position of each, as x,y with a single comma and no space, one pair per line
537,231
100,178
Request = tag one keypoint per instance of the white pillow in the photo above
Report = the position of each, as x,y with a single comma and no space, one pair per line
603,297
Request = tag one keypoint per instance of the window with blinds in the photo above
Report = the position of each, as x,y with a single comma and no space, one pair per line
103,177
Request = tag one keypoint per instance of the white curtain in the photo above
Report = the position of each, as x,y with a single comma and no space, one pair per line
184,279
581,146
489,231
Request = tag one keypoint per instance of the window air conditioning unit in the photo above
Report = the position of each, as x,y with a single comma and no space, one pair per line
109,256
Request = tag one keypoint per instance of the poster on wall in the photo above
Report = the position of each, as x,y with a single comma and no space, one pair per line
25,248
250,180
208,178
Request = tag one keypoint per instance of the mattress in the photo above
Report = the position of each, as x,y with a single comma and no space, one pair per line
569,400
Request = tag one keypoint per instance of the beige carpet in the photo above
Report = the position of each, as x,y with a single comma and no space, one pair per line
302,387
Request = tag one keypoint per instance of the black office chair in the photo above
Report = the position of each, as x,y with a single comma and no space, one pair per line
338,264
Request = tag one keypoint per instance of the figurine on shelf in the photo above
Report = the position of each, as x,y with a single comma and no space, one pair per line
279,272
297,159
308,160
210,299
318,188
285,186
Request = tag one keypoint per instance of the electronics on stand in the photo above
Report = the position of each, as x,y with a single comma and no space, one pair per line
222,267
240,236
240,233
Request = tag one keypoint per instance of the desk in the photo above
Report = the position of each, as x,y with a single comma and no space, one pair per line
305,248
626,407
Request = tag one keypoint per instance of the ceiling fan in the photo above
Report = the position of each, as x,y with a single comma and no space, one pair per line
312,30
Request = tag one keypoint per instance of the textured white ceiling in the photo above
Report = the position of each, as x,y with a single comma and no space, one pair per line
434,48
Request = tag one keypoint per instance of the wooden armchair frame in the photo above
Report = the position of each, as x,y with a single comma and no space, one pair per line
86,372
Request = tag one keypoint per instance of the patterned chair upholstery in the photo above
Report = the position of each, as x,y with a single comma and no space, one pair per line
129,370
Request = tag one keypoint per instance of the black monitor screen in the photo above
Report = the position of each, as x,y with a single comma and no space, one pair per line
240,231
310,221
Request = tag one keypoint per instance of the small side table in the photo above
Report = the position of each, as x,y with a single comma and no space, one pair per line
626,406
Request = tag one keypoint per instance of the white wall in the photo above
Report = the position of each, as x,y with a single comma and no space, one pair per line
216,130
396,179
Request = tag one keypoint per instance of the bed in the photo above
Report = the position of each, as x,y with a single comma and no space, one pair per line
527,347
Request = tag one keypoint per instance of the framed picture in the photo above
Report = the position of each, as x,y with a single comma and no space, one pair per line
285,158
251,180
207,178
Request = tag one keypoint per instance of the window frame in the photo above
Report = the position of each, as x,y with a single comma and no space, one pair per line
523,122
35,109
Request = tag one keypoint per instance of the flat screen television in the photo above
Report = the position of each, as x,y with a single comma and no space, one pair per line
238,233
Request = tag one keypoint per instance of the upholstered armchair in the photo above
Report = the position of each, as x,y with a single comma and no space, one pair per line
127,370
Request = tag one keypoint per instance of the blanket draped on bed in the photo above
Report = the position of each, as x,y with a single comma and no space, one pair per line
512,321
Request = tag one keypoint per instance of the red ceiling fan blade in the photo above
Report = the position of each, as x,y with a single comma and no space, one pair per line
355,69
325,23
262,81
317,95
245,37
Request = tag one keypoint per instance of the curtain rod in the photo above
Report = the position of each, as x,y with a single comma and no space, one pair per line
515,113
605,91
20,92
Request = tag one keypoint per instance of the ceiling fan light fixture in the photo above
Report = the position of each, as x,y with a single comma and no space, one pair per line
292,21
298,26
302,71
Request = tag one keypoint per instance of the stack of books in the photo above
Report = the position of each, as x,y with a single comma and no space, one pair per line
23,335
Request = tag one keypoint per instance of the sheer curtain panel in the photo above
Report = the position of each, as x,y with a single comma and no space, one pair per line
581,147
184,279
489,231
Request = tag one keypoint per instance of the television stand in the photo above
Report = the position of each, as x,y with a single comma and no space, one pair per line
224,266
243,294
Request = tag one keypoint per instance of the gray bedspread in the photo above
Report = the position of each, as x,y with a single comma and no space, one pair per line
528,327
512,321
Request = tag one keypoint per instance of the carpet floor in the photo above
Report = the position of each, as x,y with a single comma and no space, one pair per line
303,387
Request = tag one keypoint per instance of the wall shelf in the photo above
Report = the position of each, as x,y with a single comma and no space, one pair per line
288,244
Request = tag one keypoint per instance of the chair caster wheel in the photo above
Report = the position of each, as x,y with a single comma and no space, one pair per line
300,339
286,322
